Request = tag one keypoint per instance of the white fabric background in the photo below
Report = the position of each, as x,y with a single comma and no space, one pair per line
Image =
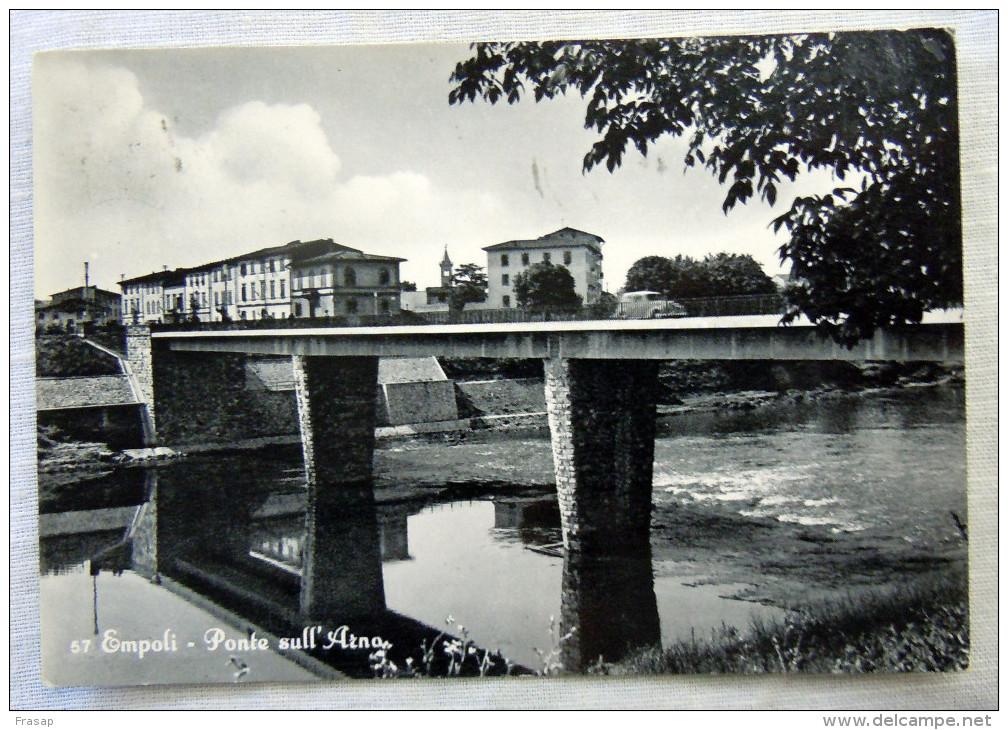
976,33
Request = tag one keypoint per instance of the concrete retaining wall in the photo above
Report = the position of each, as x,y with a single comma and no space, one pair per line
422,402
501,397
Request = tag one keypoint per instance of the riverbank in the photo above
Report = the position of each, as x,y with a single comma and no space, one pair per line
64,459
921,627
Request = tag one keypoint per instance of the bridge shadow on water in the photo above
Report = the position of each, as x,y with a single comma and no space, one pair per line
243,544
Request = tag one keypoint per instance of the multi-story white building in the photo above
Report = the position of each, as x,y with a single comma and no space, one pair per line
579,252
332,279
143,297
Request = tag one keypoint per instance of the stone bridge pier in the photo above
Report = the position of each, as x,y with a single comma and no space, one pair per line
342,571
602,425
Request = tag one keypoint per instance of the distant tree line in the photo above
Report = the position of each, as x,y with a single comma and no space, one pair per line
716,275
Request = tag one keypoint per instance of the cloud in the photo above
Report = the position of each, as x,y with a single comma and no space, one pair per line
115,183
280,145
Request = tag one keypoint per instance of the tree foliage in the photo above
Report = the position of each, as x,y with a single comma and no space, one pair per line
545,286
604,307
729,274
673,277
717,275
469,284
877,108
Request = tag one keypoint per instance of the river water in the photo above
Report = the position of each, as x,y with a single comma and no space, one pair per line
776,504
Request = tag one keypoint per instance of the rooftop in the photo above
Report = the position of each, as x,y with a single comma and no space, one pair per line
556,239
296,250
78,294
349,255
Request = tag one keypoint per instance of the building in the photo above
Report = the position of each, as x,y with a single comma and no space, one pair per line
298,279
579,252
433,298
344,282
143,297
72,309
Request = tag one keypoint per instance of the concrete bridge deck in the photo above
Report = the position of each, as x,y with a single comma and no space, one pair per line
939,338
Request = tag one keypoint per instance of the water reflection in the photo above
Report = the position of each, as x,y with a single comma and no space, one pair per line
342,565
496,563
608,608
261,554
235,529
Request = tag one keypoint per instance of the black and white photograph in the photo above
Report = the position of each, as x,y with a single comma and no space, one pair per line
511,358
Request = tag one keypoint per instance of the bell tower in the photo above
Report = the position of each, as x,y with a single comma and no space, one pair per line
446,270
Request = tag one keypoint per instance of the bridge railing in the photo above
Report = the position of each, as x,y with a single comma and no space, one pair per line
697,307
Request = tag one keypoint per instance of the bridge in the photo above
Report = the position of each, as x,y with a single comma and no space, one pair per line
601,382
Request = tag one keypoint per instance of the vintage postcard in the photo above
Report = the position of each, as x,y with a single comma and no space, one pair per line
580,358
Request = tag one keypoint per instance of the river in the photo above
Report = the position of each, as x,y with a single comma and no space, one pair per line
754,510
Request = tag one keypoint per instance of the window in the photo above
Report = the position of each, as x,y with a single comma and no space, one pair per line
546,257
322,277
216,298
297,309
567,257
244,315
506,300
384,277
204,299
351,306
384,306
271,266
243,270
282,289
504,259
350,279
272,289
505,279
525,259
244,294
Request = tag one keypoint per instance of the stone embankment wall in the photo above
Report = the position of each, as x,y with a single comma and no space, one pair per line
203,398
120,426
218,398
86,394
410,389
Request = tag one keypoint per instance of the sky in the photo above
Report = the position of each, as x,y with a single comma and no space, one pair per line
152,158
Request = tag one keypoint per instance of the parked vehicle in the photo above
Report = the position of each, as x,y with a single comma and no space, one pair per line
647,305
